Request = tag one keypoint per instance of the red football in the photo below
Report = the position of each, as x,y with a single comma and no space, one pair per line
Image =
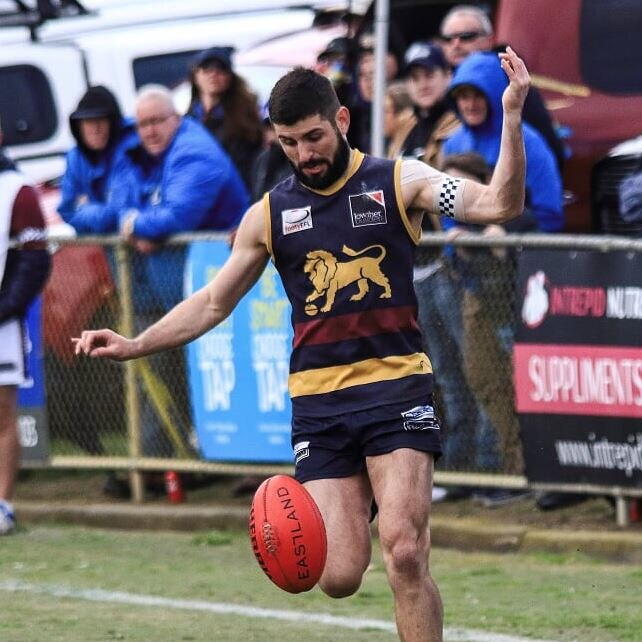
288,534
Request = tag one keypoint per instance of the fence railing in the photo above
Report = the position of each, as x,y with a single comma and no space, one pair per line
136,416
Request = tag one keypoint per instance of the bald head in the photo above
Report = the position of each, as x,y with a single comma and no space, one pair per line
465,29
156,118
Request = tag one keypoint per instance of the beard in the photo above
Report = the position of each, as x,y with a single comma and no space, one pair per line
335,168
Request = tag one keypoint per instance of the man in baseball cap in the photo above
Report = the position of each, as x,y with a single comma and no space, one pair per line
428,76
427,55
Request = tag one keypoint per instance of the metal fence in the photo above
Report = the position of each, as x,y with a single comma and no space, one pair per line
136,416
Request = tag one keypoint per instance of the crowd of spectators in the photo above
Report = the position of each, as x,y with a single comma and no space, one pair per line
159,172
443,106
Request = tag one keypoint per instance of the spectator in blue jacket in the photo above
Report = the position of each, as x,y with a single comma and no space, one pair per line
102,135
477,88
178,179
466,29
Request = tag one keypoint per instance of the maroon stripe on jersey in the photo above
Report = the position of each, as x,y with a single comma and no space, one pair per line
355,325
27,220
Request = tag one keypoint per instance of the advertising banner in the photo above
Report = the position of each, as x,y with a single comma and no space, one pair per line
238,372
578,366
33,432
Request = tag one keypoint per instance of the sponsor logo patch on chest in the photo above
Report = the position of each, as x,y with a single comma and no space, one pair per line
297,219
368,208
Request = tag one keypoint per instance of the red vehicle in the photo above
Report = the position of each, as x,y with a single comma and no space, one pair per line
586,57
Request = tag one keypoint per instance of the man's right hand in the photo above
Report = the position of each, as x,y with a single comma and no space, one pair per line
104,343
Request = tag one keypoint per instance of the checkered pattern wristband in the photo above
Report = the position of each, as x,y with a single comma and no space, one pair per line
447,196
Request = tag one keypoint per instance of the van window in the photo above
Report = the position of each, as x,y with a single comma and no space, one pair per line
27,109
611,46
164,69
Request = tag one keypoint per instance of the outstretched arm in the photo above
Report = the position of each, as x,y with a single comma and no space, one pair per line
503,198
200,312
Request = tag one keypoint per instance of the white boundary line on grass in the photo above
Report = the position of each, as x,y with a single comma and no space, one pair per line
133,599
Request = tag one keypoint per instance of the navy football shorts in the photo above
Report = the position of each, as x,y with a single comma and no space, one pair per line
332,447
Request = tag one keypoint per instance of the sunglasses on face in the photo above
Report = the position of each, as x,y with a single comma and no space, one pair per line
464,36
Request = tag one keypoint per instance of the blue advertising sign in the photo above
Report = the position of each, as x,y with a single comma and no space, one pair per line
32,416
238,372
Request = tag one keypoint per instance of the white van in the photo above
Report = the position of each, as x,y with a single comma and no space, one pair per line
51,20
42,81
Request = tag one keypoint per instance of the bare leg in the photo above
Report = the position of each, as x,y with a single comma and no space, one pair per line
402,484
9,445
345,506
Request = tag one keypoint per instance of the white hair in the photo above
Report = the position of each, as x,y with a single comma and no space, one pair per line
156,92
469,10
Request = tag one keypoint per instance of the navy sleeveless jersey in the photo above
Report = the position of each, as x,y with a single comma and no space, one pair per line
345,256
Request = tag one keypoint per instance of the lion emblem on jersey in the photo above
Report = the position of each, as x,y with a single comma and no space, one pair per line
328,275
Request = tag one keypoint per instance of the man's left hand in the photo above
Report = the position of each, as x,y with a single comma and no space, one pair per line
519,82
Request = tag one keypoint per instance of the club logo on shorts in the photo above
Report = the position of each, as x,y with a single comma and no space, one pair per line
301,451
368,208
296,220
420,418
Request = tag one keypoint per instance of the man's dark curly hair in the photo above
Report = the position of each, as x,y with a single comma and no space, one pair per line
302,93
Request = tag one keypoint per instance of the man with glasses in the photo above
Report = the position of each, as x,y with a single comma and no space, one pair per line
467,29
464,30
177,179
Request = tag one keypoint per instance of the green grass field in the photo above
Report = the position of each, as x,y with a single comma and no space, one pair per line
551,597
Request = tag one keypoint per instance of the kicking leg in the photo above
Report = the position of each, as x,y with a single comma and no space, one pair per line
402,484
345,506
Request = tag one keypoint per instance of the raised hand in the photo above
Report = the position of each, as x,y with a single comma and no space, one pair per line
519,81
104,343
